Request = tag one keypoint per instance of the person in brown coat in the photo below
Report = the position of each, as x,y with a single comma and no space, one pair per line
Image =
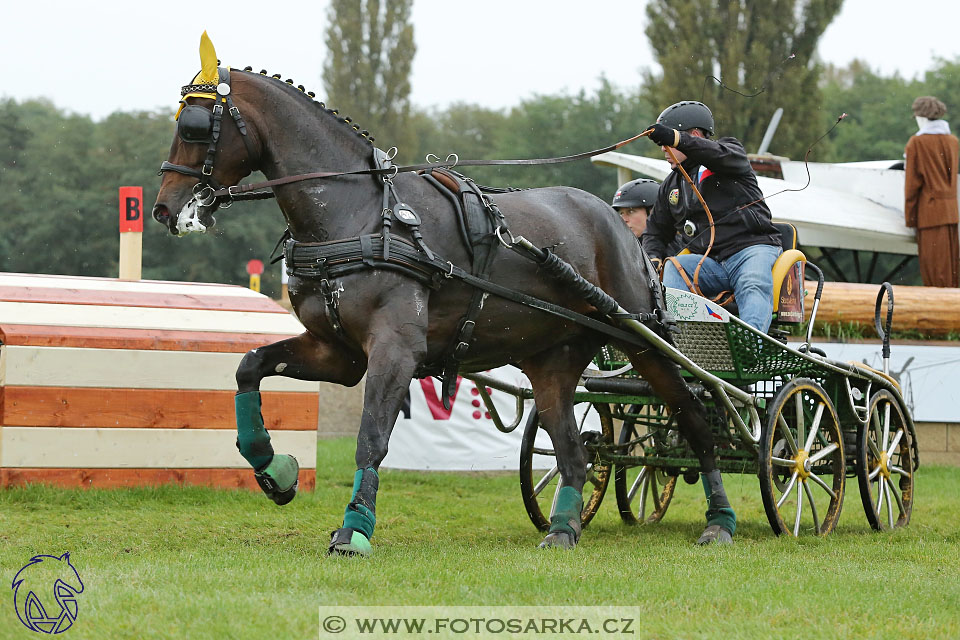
931,194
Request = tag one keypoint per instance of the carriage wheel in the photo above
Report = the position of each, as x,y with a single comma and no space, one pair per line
885,464
801,461
539,488
643,492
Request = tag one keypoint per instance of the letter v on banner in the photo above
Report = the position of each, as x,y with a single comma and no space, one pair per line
433,400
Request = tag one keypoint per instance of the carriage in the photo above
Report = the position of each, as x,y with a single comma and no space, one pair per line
399,272
801,422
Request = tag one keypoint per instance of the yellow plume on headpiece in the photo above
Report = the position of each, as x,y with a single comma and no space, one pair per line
208,72
208,62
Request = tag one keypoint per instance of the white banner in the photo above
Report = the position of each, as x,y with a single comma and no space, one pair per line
464,438
927,374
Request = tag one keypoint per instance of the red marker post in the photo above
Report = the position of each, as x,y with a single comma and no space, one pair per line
255,268
131,232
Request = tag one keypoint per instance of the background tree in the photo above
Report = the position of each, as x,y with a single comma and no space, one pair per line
367,72
745,45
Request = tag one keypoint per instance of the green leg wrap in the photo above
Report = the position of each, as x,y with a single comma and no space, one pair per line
360,514
719,511
253,441
566,518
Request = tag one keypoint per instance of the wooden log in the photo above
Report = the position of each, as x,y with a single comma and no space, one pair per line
934,311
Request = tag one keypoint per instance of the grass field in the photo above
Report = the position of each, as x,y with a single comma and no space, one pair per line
198,563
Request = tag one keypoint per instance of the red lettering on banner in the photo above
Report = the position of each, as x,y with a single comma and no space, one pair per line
434,403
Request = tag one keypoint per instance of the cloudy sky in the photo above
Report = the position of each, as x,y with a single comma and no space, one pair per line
105,55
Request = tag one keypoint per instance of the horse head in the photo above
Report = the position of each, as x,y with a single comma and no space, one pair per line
231,123
214,147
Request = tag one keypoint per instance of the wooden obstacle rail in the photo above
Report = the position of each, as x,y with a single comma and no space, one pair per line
106,383
935,311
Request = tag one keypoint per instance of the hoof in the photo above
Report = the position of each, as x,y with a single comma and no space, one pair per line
347,542
715,534
280,478
558,540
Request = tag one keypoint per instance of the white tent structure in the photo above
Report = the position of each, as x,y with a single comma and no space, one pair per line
857,206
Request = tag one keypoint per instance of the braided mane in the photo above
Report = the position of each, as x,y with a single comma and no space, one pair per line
363,133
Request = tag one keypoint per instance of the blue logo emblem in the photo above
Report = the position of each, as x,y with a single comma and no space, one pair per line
45,594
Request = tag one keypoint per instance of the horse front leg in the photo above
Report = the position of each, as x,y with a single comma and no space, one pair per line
395,348
664,376
303,357
554,376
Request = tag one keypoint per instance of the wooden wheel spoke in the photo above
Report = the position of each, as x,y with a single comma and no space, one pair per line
642,508
893,445
815,426
889,505
796,522
545,480
787,435
636,484
799,414
786,492
823,485
782,462
823,453
903,472
898,498
813,508
874,449
886,426
879,508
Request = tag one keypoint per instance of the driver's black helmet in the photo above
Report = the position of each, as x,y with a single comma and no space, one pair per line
686,115
636,193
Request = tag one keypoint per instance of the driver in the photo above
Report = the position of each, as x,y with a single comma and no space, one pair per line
746,242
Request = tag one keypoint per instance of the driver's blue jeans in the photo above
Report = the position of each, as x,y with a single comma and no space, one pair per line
747,273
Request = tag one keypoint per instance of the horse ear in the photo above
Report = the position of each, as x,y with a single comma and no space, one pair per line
208,61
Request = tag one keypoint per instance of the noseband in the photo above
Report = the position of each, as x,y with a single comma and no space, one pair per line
197,125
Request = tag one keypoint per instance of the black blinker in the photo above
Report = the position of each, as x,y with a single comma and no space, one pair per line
195,124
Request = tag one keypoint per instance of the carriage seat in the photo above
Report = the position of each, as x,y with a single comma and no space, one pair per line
787,281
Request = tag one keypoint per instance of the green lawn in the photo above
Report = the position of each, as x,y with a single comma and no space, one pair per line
199,563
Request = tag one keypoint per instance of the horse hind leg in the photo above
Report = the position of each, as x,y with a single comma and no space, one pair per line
664,376
554,376
302,357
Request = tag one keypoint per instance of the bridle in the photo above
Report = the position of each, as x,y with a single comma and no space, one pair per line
198,125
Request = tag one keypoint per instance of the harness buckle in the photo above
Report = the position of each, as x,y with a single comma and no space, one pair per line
234,112
218,109
207,170
449,274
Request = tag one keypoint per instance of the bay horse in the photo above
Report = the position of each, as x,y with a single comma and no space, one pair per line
387,324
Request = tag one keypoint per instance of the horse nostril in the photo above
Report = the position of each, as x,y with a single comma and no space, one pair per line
160,214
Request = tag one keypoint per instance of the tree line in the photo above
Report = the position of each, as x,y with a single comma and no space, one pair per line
59,171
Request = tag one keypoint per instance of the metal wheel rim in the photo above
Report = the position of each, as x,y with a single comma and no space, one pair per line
885,464
805,419
540,488
644,498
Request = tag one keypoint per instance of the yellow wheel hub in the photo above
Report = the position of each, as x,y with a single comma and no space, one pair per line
884,465
801,465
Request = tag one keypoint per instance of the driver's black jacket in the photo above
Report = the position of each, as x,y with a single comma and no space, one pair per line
728,183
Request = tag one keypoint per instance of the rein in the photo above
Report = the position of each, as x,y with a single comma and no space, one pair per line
249,191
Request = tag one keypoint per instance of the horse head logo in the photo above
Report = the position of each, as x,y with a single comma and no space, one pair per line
59,584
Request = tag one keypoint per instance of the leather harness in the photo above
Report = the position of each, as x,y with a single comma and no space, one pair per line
481,226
